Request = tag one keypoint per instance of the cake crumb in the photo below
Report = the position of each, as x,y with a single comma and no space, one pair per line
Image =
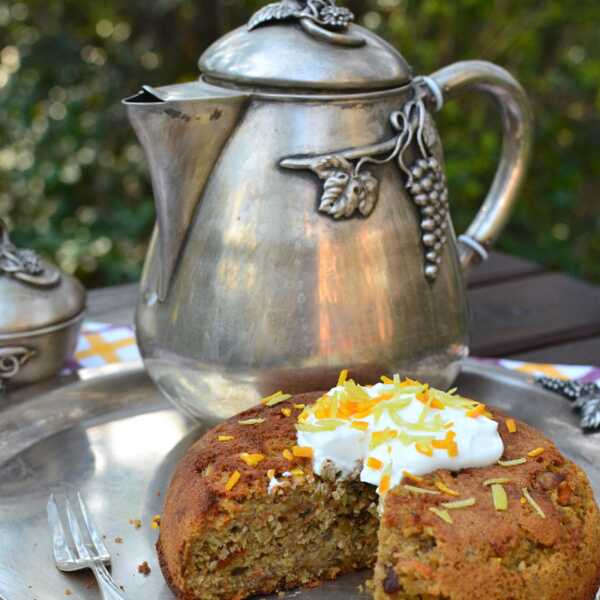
68,592
118,540
137,523
144,569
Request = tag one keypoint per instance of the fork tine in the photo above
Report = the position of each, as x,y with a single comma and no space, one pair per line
84,553
101,548
62,552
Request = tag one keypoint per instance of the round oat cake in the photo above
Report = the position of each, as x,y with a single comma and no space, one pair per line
245,514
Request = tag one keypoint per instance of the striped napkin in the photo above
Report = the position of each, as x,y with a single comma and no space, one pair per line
103,344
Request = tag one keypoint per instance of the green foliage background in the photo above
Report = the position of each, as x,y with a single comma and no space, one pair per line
73,181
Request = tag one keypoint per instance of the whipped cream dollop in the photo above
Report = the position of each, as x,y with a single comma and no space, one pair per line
395,429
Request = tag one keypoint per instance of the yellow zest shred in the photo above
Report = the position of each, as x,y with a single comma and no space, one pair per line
460,503
302,452
448,425
380,437
512,463
233,479
298,472
477,411
444,515
155,524
511,425
300,406
533,503
374,463
360,425
287,455
271,473
444,488
384,484
418,490
275,398
251,421
387,380
342,378
535,452
412,477
425,449
286,412
252,459
499,497
500,480
225,438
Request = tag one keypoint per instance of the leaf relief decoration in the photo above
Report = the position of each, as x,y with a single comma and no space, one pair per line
346,190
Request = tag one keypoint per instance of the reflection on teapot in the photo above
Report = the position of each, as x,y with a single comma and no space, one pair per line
302,212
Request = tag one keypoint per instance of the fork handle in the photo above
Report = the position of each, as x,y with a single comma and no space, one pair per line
107,585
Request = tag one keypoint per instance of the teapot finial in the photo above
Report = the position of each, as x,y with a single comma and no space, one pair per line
322,19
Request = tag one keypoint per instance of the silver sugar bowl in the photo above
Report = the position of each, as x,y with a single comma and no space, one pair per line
41,310
303,220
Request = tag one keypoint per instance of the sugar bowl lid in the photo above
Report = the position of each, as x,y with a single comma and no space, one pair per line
307,45
33,293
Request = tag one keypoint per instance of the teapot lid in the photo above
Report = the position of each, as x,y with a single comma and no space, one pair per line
305,45
33,293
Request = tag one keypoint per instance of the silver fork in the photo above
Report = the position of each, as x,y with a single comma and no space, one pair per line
82,553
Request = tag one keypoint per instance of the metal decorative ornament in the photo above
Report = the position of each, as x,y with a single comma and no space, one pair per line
24,265
585,396
320,18
349,189
11,362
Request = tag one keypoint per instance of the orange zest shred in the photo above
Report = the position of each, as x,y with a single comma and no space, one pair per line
286,412
535,452
225,438
374,463
252,459
444,488
447,444
477,411
302,452
511,425
412,477
287,454
384,484
360,425
232,481
425,449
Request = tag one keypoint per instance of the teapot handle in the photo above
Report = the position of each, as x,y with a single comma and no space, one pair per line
517,126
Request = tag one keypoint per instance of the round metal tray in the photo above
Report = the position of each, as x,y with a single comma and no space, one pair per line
111,435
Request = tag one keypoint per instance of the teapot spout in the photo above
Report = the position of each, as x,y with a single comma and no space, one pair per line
183,129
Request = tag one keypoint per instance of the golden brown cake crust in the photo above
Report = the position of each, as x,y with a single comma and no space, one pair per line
524,555
197,496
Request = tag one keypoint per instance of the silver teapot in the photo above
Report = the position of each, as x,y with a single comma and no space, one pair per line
303,213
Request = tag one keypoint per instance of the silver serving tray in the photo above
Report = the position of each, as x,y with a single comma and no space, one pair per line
111,434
